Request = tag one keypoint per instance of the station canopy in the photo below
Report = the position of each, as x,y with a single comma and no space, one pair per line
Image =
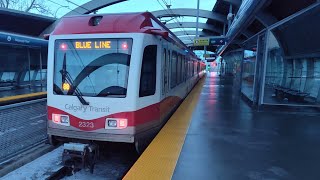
178,15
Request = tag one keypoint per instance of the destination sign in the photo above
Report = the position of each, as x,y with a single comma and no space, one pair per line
99,44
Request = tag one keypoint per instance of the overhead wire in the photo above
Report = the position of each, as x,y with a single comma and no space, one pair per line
64,6
69,1
174,18
177,20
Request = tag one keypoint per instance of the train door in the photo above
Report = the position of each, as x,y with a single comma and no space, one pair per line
164,75
164,83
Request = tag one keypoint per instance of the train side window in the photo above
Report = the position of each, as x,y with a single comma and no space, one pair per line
173,76
148,71
179,69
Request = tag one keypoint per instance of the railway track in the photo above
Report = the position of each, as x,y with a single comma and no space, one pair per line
59,174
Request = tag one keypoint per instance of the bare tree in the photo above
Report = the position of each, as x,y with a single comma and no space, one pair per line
27,6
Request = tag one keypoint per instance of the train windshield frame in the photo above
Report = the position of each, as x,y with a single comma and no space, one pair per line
92,67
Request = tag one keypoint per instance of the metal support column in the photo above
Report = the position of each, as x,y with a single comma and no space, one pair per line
197,27
229,19
41,81
205,51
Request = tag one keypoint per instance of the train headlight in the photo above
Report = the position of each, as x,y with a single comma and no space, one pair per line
116,123
61,119
112,123
64,119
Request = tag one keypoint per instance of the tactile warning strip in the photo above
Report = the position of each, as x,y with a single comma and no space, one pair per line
160,158
11,98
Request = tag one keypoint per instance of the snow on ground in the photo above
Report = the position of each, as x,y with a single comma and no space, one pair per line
39,168
112,164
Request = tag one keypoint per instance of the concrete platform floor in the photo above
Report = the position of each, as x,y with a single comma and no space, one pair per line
227,140
26,90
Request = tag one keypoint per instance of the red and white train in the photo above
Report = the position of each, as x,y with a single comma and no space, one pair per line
115,77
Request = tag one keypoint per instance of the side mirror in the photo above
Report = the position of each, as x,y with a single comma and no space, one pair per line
164,34
152,30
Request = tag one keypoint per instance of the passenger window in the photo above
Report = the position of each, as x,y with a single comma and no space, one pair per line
179,69
173,70
148,71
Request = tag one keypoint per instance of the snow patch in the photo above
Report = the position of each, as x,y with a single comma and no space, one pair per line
39,168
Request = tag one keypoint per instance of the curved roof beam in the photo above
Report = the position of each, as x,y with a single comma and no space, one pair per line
86,8
92,6
190,12
201,33
194,25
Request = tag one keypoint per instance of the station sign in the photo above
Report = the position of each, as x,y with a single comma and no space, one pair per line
217,41
209,55
211,59
201,42
21,40
210,41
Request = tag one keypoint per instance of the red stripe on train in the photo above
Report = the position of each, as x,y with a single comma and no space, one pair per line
141,116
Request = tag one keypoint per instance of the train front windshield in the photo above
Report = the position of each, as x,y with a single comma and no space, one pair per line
92,67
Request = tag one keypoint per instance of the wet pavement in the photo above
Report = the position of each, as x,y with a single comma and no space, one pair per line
228,140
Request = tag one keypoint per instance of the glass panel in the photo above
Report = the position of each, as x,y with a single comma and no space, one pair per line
35,67
248,72
14,66
292,69
44,57
291,80
148,71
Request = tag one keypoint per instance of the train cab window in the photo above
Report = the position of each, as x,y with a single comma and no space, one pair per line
148,71
95,71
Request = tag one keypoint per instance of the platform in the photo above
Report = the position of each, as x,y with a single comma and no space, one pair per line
19,95
22,127
227,140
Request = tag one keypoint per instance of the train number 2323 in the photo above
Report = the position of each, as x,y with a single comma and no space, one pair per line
86,124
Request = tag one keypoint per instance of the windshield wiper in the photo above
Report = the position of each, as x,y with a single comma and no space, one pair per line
67,78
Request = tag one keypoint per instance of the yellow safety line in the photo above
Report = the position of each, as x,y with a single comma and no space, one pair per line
10,98
160,158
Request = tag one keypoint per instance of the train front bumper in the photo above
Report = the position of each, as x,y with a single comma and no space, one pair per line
97,136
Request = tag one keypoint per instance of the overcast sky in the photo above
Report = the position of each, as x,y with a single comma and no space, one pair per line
61,7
